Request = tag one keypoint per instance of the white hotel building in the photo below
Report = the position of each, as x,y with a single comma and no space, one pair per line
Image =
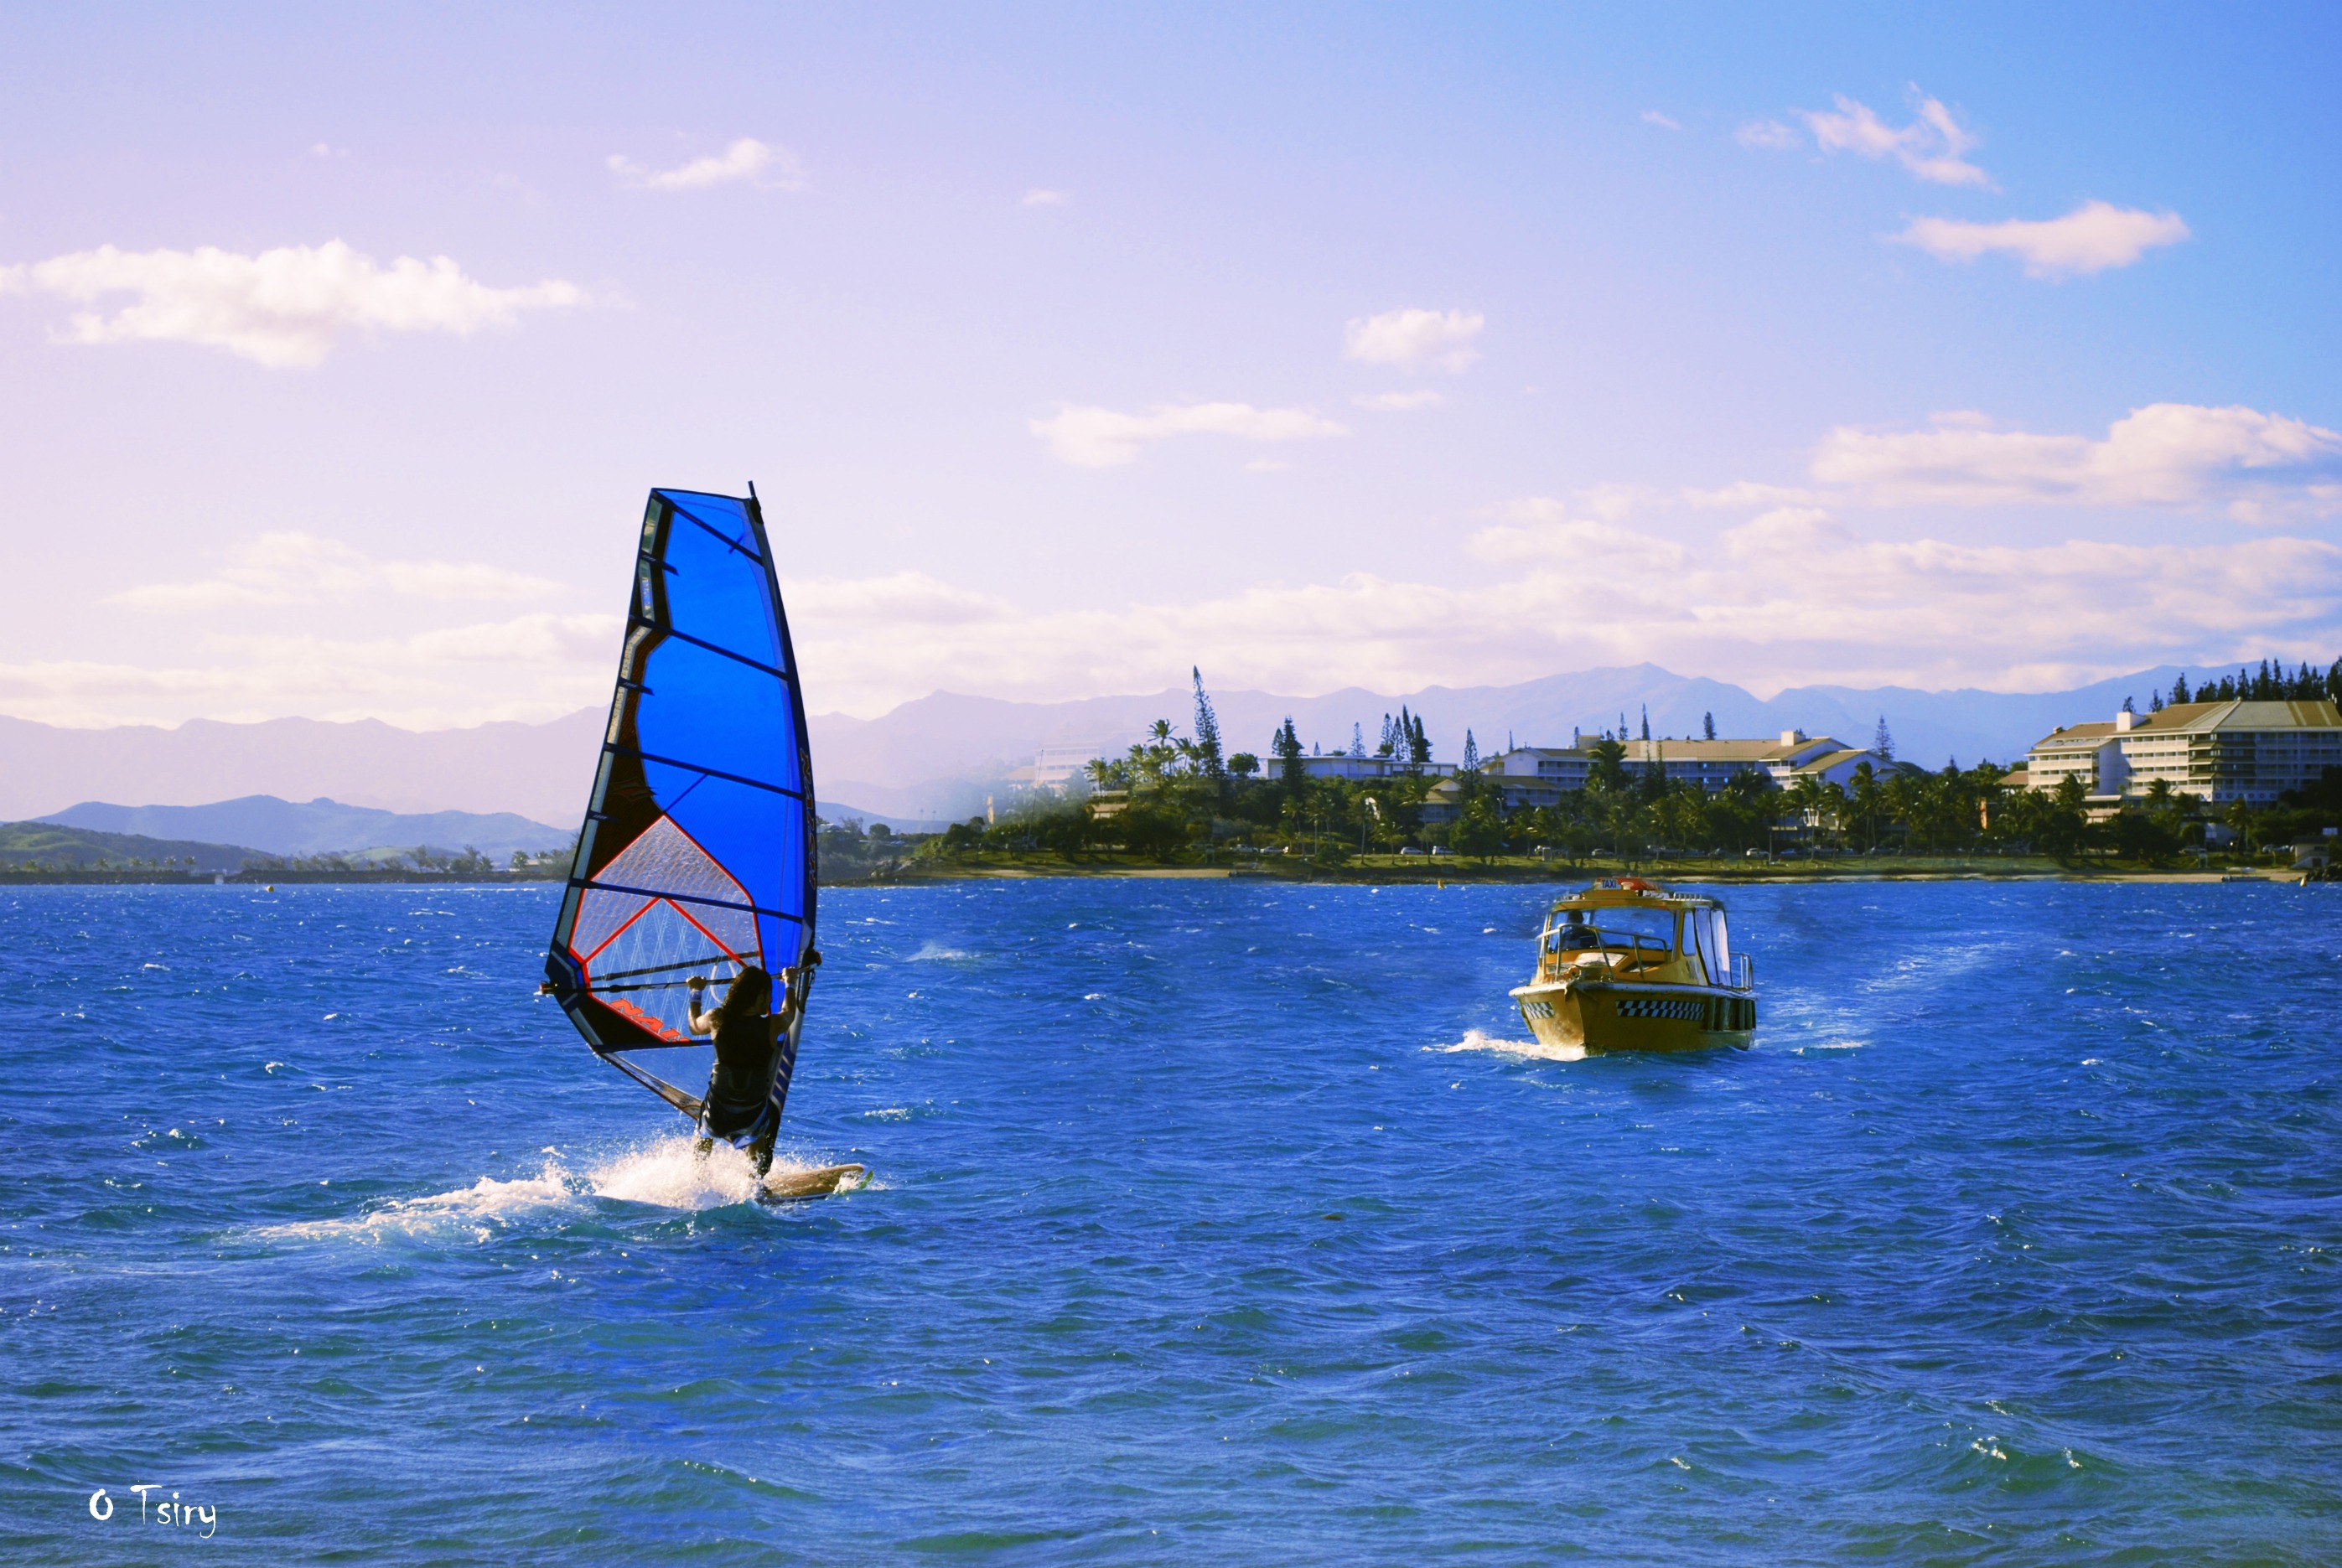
2216,752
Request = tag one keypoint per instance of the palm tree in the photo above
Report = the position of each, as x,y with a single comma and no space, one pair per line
2238,816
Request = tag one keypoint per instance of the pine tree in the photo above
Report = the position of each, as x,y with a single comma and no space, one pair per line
1208,760
1471,753
1357,740
1647,721
1882,740
2334,683
2179,694
2127,707
1415,744
2155,701
1389,746
1708,726
1292,771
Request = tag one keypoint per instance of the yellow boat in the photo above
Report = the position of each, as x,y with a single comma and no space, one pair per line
1628,965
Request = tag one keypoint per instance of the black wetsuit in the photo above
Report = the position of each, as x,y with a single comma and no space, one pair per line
740,1090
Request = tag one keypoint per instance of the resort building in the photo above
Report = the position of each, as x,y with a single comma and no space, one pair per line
1535,775
1343,765
1539,775
2216,752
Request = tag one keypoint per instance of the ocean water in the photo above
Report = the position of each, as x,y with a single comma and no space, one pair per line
1211,1223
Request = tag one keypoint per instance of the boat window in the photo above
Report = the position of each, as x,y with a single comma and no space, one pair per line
1572,932
1582,930
1705,927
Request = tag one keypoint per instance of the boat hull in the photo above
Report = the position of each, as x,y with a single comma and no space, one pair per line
1598,1019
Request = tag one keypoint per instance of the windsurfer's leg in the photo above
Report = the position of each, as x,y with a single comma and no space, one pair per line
761,1150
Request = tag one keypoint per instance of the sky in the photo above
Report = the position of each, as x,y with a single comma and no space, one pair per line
1070,348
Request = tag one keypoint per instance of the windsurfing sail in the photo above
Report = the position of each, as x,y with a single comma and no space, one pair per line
696,856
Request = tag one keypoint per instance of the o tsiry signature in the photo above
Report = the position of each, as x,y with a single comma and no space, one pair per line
164,1512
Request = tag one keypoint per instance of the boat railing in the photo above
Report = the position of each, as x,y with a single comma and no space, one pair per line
1744,972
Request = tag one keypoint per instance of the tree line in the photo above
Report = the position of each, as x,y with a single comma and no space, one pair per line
1173,797
2269,683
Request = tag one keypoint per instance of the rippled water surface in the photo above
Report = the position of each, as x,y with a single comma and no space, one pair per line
1212,1223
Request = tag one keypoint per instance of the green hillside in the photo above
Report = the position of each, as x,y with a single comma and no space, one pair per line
36,845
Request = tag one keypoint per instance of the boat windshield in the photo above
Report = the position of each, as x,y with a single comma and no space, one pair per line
1618,930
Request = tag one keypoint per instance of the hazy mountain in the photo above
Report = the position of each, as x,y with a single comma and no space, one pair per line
939,757
538,771
319,826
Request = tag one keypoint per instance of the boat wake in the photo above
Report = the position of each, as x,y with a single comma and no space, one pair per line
663,1175
1474,1040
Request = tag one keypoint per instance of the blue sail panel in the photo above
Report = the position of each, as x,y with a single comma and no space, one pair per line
696,856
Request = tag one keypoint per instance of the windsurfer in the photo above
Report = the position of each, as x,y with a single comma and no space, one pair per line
748,1034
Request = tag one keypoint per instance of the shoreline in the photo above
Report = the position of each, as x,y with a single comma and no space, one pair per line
1363,877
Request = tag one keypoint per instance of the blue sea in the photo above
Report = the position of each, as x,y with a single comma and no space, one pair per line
1212,1223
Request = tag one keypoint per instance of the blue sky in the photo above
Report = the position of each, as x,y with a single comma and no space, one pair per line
1070,347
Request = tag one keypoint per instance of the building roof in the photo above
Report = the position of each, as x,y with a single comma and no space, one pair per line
1676,751
2201,718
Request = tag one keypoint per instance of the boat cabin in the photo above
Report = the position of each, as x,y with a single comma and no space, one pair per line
1636,930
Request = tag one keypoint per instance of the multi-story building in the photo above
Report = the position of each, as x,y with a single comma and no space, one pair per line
2216,752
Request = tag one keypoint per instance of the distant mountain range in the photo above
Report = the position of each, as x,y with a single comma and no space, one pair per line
938,757
318,827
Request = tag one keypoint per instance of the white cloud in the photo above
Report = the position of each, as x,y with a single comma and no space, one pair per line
1400,402
759,163
1804,532
1931,146
292,568
1413,337
1104,438
1769,135
1653,118
533,667
2091,238
1744,492
1791,596
2166,454
1037,197
283,308
1541,532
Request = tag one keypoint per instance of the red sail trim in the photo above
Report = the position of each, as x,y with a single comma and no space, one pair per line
635,1015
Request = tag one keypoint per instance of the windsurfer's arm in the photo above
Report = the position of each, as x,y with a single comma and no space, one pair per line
701,1022
785,1014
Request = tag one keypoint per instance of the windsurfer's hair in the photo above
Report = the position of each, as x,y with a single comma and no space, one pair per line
751,994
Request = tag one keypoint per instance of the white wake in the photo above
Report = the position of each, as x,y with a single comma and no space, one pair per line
1474,1040
665,1174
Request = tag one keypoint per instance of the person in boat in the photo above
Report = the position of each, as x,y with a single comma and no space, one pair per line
747,1031
1575,936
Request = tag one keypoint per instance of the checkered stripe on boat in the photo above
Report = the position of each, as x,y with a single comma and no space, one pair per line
1661,1007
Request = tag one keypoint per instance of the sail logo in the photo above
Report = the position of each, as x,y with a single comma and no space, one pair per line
159,1510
